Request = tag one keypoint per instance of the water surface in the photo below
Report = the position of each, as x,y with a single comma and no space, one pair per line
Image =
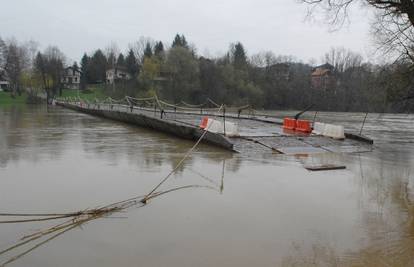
266,210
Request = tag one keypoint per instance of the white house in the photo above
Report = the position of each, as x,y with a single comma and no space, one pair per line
4,83
118,73
4,86
71,78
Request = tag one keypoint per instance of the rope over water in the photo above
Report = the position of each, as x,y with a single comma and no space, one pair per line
76,219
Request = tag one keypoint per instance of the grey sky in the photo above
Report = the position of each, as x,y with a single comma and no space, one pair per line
79,26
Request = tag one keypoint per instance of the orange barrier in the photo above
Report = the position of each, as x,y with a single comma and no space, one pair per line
204,122
288,132
303,126
289,124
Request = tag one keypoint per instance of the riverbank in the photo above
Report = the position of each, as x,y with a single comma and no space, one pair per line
6,99
92,93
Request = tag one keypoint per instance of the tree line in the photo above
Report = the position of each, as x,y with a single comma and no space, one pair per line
178,73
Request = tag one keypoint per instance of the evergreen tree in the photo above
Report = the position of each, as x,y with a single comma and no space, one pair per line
184,42
177,41
111,61
239,57
97,67
148,50
131,63
159,49
120,61
84,68
180,41
75,66
211,82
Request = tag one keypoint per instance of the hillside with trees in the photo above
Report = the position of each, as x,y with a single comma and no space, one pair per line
178,73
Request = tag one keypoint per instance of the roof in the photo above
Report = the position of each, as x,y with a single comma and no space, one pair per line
321,72
119,68
325,66
71,68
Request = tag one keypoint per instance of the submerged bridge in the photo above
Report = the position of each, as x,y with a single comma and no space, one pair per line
257,132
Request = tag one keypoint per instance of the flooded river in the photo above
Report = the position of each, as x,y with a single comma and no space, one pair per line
259,209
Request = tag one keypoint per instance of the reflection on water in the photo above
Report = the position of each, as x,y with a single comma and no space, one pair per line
266,209
384,194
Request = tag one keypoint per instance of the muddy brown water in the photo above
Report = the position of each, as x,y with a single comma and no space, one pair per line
267,210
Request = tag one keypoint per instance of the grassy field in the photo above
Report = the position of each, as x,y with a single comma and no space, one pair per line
6,99
90,94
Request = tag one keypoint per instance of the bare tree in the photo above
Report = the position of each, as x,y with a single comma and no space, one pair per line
17,60
111,52
258,60
49,66
3,53
268,58
338,9
30,80
32,48
394,35
342,59
393,27
138,47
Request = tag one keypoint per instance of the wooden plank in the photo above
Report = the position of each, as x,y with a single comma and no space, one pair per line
275,150
325,167
360,138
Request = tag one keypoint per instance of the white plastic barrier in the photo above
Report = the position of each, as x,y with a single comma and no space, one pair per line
216,126
231,129
318,128
334,131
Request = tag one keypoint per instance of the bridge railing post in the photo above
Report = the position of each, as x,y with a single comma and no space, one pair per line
224,120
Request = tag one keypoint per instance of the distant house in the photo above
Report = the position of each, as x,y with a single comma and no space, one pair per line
275,72
4,83
323,77
163,76
280,71
71,78
118,73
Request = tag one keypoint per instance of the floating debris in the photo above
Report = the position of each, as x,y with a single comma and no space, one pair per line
325,167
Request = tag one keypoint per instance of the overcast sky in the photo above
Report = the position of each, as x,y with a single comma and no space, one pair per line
78,26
